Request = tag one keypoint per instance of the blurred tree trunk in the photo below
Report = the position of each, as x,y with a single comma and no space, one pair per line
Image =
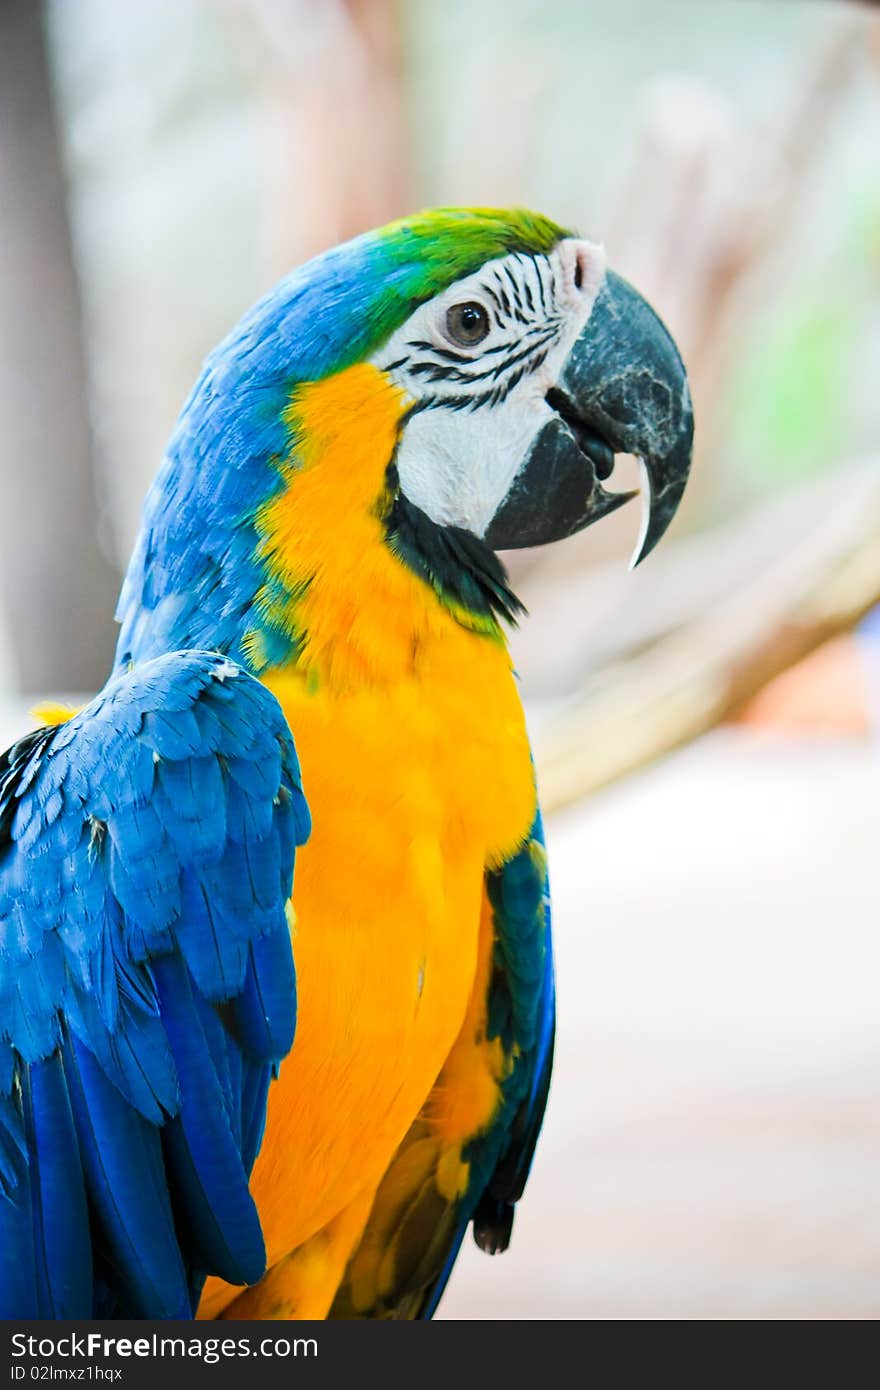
57,585
787,585
336,133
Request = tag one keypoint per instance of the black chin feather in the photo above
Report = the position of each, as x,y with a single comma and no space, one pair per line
463,570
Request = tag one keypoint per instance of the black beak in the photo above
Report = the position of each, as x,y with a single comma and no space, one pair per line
623,389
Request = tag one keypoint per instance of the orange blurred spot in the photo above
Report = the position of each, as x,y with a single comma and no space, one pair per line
825,693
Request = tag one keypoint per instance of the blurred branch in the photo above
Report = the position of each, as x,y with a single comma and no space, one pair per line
669,690
58,586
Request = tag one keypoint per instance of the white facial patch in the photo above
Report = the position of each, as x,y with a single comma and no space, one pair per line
477,408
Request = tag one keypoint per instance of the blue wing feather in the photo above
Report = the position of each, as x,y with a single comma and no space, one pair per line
62,1247
121,1157
147,990
205,1160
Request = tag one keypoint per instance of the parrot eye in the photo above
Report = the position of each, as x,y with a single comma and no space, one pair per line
467,324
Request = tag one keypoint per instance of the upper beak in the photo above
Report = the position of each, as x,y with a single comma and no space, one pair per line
622,389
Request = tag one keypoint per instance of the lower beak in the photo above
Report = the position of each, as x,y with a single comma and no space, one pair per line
623,389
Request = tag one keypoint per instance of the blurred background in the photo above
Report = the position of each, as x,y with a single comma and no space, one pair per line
706,727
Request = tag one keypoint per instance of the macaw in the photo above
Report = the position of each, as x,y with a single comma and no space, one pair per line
223,1093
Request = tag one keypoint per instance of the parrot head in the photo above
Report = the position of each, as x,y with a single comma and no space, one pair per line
455,383
526,377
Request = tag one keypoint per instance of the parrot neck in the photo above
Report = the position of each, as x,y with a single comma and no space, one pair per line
333,573
356,590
